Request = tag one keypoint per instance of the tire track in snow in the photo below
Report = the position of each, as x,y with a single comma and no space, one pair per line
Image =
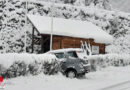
120,86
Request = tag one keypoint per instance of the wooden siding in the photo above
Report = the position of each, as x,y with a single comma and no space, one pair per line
60,42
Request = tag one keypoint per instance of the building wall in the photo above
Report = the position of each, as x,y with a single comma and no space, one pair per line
60,42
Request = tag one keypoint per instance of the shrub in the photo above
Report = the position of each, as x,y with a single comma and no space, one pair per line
34,66
101,61
21,69
51,68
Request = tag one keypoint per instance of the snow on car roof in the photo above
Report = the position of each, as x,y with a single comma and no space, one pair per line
72,28
65,50
80,55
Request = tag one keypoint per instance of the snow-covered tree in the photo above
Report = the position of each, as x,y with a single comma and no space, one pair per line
12,19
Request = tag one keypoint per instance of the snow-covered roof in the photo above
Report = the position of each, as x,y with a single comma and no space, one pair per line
72,28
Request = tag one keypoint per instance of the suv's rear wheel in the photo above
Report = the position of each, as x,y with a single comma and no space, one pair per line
71,74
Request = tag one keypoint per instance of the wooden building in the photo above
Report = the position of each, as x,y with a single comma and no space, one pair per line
67,34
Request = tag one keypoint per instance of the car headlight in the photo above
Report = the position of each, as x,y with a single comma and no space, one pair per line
85,61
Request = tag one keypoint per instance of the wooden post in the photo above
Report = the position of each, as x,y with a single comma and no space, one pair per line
42,49
104,49
33,39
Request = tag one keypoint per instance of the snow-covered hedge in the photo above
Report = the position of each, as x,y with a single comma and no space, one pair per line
13,65
101,61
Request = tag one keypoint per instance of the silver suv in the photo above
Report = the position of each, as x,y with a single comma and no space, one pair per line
74,62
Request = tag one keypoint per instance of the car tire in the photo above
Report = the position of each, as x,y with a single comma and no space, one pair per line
71,74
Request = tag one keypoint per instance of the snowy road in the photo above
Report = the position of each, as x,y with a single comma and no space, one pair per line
120,86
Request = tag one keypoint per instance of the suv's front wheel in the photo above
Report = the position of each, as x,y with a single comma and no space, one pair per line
71,74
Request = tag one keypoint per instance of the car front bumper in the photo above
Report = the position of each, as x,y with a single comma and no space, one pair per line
87,68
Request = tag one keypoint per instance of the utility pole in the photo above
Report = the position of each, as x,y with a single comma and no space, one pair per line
52,21
26,11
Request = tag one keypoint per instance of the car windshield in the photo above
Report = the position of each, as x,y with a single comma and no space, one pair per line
81,54
59,55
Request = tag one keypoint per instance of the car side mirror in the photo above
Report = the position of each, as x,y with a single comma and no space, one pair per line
64,61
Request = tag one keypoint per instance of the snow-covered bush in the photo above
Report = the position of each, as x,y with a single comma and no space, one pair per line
16,69
101,61
14,65
51,68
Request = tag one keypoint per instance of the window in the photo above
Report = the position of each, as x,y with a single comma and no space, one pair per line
59,55
72,54
95,50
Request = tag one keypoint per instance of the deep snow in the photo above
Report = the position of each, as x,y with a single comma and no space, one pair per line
93,81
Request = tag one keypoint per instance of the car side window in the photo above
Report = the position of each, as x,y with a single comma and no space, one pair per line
72,54
59,55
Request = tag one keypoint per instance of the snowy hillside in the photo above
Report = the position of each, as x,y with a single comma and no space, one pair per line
99,12
122,5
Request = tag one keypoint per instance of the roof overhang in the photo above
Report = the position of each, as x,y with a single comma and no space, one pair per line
71,28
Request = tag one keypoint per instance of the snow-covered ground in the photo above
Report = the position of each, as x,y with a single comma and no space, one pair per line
94,81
